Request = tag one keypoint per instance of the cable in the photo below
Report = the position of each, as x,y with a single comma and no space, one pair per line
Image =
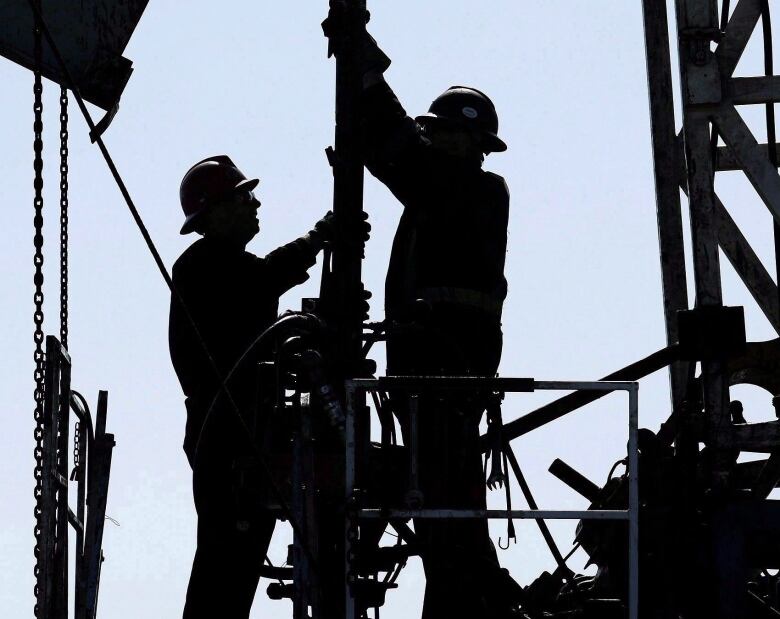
164,272
258,340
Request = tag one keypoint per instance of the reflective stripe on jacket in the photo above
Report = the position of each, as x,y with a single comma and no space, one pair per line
463,296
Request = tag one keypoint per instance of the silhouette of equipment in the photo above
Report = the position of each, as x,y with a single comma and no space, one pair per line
709,534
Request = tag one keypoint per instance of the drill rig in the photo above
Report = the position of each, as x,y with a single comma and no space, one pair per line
709,533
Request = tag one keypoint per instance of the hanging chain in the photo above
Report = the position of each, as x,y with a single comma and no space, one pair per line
64,216
76,475
38,301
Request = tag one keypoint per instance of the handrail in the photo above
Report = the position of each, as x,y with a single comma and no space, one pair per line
573,401
585,389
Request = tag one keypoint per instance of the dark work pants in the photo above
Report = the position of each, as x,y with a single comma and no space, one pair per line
233,538
458,555
461,566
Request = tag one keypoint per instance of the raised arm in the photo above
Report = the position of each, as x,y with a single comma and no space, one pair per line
395,148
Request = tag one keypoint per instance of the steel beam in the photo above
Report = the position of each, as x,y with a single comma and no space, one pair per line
753,90
754,437
701,73
665,164
738,31
726,162
761,173
702,204
747,265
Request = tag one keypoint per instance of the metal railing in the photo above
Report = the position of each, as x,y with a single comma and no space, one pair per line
414,385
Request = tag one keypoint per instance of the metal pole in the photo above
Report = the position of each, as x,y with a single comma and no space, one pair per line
343,288
350,509
473,514
633,502
61,554
697,25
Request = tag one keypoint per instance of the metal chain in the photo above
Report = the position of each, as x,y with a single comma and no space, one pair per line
76,453
64,216
38,356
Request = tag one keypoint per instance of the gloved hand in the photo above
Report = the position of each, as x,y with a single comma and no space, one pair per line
374,59
365,307
359,230
325,227
349,232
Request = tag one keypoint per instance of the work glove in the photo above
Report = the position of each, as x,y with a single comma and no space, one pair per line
365,307
349,231
324,228
374,60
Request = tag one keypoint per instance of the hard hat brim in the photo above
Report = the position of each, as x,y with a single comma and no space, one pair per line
491,142
192,219
248,184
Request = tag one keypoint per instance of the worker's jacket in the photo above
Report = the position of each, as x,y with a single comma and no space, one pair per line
233,296
450,245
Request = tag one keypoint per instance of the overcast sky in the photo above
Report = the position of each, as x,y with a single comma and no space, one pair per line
250,79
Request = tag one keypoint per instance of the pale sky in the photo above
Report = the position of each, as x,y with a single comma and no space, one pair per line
250,79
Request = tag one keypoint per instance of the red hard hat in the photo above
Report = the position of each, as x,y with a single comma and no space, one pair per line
206,182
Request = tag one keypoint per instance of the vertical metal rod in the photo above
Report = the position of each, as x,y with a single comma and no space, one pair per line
414,473
46,597
308,505
85,439
633,502
99,473
344,285
349,487
301,596
697,63
61,465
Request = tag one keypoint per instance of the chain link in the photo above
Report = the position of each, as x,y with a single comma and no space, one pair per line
76,453
38,355
64,216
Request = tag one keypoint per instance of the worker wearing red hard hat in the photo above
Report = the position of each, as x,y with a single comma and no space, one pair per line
205,183
232,297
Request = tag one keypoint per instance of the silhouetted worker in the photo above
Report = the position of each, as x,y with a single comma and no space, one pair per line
449,251
233,296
